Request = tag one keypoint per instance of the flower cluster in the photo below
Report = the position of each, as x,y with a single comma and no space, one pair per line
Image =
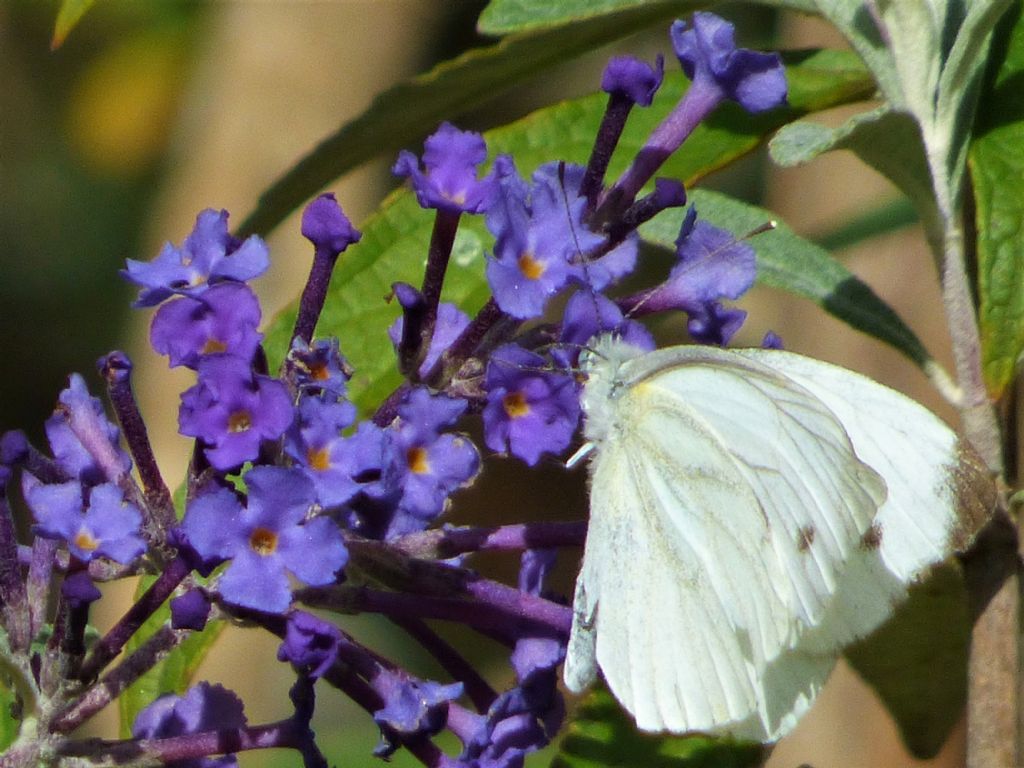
294,496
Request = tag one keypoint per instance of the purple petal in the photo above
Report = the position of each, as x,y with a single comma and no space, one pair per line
326,226
313,552
256,582
633,78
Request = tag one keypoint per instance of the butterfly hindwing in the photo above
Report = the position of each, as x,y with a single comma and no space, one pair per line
752,512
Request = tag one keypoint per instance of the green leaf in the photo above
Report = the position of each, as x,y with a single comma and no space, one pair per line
70,13
917,661
8,725
996,161
395,238
501,17
787,261
928,65
601,734
402,115
855,22
887,140
882,220
174,673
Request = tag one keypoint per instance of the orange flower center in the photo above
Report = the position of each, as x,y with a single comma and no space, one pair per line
318,459
85,541
263,541
530,267
213,346
515,405
417,458
239,421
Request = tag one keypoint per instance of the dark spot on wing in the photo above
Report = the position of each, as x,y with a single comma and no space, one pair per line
804,539
872,538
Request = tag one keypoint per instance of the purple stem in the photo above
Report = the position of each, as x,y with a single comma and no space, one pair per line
608,135
414,313
440,582
643,210
491,324
478,690
696,104
39,572
44,468
191,746
443,543
74,638
314,294
344,677
388,410
496,613
22,754
162,642
303,698
529,608
13,604
116,368
489,320
446,224
112,643
54,666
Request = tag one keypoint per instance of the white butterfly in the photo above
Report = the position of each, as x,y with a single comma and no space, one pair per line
751,513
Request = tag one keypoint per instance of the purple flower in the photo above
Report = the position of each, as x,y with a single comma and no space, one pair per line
451,322
95,522
524,718
327,227
720,70
712,265
340,466
311,644
633,78
266,539
589,314
772,340
536,236
451,158
233,411
203,707
412,708
208,255
72,456
318,367
13,447
78,589
222,319
190,610
429,465
529,411
534,567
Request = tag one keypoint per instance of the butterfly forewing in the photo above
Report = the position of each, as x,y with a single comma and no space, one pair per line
752,512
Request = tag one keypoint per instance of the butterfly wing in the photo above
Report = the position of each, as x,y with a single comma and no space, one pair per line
939,492
752,512
725,500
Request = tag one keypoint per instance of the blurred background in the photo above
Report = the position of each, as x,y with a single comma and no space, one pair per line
151,112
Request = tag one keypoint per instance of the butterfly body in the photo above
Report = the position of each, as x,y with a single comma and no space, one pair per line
752,512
